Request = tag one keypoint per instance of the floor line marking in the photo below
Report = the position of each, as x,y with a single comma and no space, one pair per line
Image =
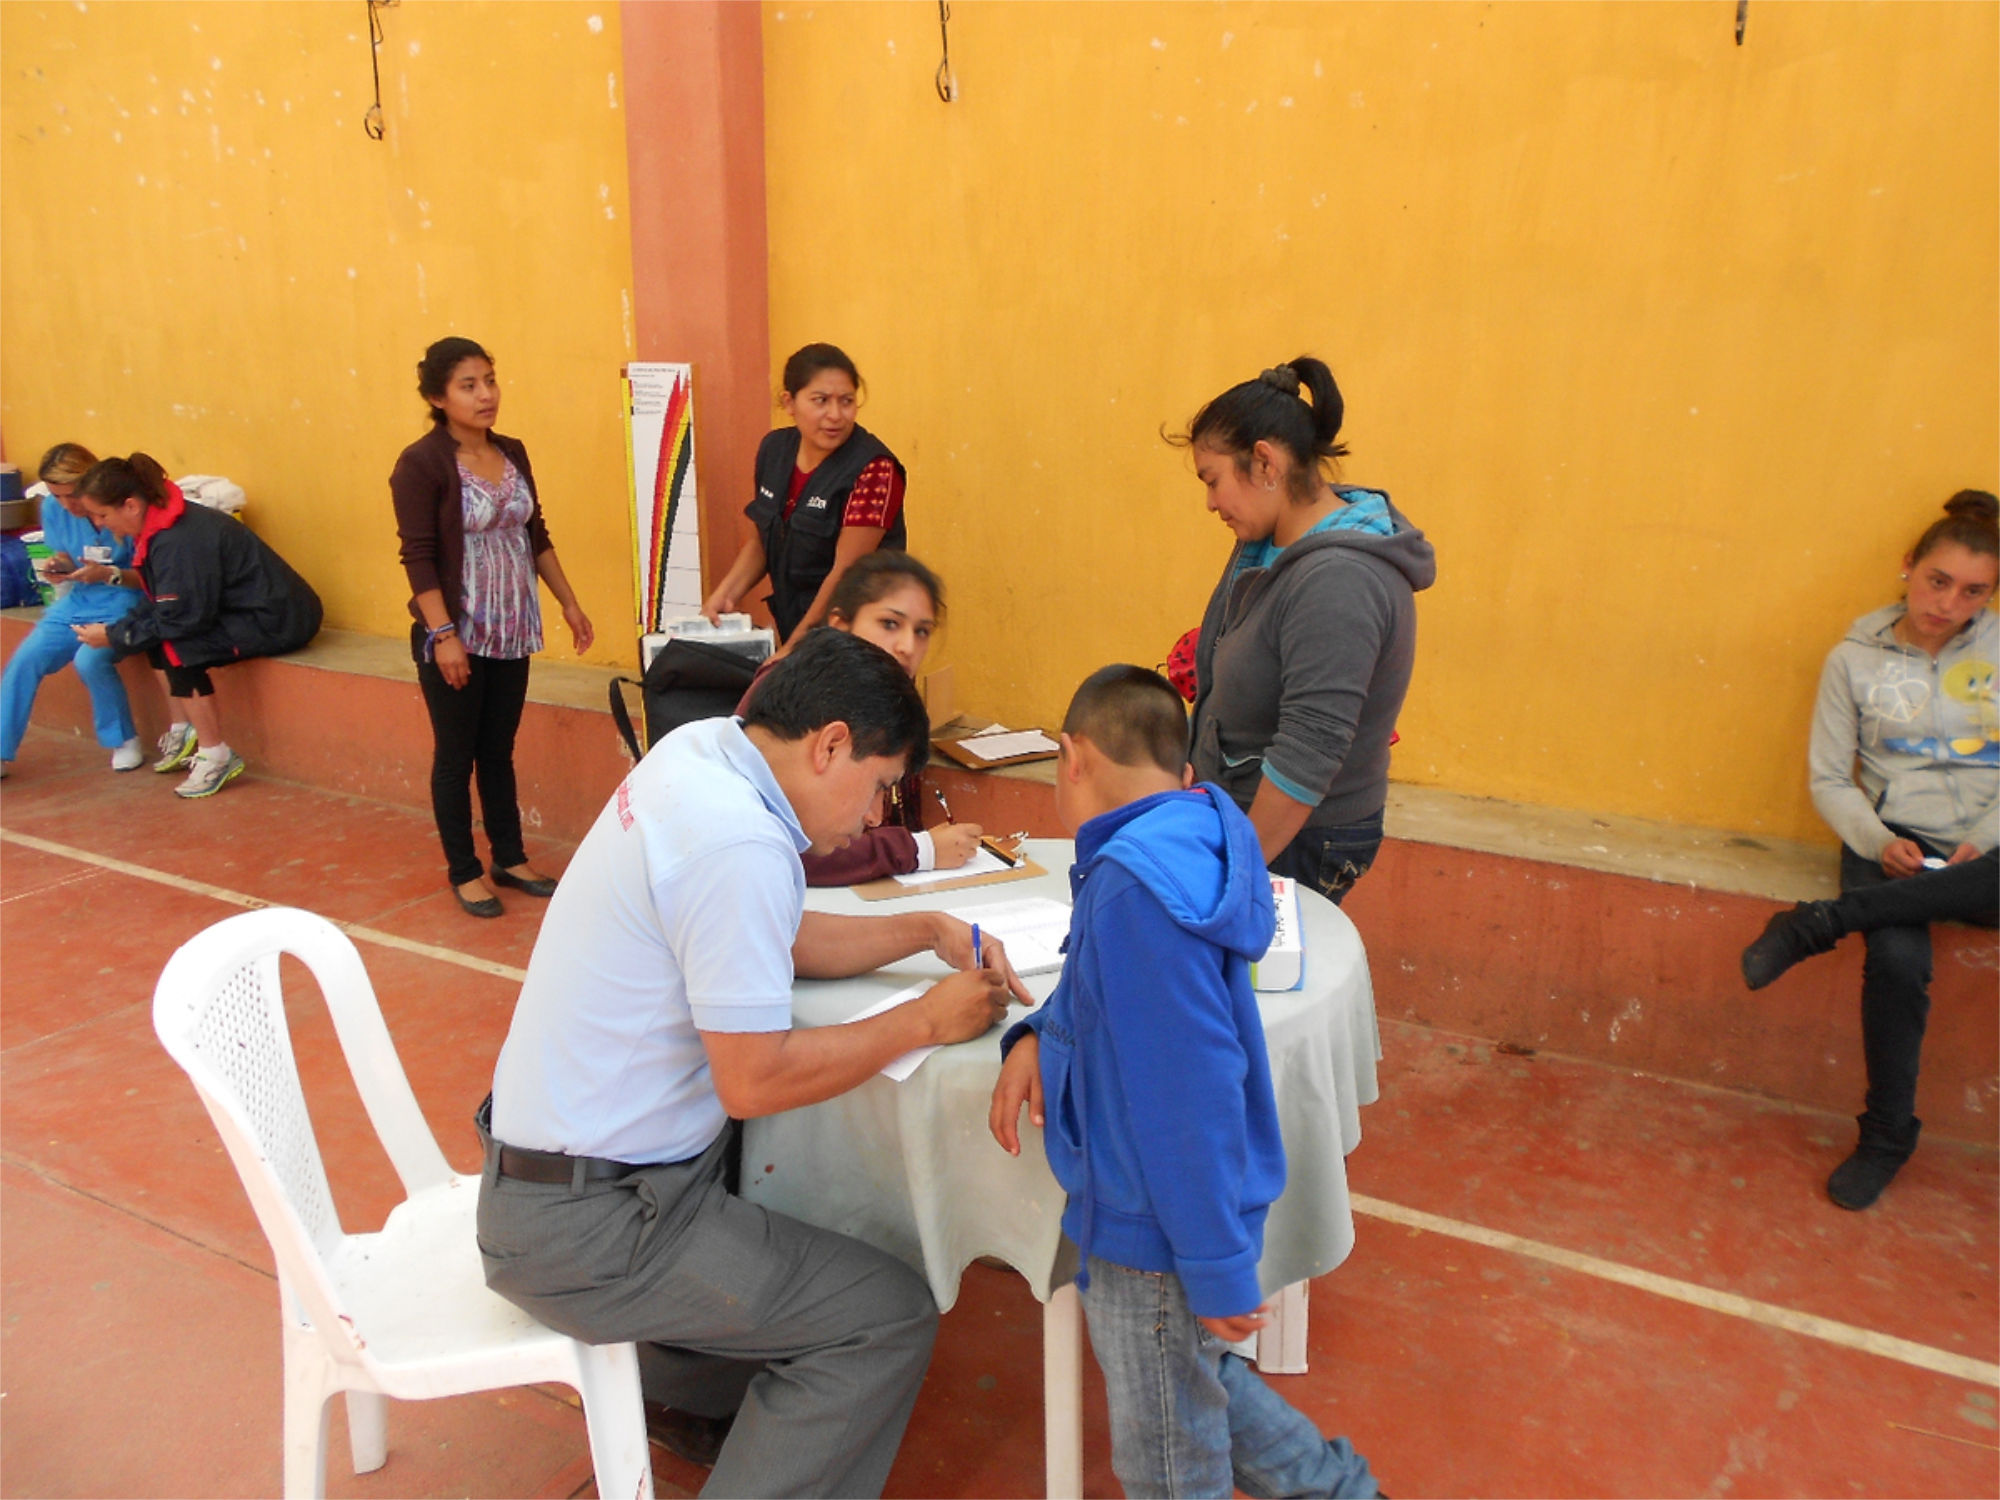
1770,1315
356,930
54,885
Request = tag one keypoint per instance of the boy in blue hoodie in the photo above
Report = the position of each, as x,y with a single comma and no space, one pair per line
1160,1121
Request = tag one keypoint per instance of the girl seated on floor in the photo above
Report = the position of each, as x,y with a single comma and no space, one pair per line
215,594
894,601
102,588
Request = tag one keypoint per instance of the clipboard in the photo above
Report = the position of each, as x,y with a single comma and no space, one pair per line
954,751
886,888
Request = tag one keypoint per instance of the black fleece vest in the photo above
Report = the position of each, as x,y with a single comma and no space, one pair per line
799,549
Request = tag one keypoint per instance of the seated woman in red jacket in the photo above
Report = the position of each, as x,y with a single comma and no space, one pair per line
893,600
215,594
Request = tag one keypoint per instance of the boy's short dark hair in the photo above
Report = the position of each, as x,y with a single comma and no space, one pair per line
1134,716
833,677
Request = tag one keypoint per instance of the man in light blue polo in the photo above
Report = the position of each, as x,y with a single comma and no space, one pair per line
657,1010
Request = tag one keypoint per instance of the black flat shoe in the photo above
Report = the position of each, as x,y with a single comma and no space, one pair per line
536,887
486,906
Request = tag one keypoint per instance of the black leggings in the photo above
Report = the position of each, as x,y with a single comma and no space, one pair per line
472,729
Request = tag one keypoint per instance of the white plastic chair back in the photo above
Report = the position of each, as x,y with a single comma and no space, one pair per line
219,1010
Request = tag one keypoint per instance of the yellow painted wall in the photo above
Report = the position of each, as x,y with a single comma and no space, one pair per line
203,256
1671,345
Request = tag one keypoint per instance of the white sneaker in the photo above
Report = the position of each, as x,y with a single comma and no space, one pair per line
208,775
176,748
128,756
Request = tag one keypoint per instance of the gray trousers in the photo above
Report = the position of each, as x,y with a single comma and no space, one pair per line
817,1342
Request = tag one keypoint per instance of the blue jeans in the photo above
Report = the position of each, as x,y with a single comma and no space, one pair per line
48,648
1190,1418
1329,860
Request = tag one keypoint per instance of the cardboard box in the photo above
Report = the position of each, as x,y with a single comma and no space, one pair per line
1283,966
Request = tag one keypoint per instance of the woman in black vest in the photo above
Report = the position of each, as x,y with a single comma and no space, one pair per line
828,492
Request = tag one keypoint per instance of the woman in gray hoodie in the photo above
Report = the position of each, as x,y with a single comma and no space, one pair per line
1905,762
1308,639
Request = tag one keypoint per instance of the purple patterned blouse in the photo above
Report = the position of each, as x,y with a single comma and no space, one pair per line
503,609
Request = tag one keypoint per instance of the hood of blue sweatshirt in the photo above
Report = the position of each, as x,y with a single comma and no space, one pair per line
1204,865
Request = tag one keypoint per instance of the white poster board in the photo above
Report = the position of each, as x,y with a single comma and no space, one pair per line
666,521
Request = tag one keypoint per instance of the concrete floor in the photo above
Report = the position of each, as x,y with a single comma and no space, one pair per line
1484,1338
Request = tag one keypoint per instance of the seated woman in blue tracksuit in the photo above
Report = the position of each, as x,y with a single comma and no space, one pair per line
98,592
215,594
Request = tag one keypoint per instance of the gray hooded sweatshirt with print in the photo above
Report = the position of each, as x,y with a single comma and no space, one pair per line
1900,738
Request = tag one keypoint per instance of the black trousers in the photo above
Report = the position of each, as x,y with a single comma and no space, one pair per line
472,731
1896,914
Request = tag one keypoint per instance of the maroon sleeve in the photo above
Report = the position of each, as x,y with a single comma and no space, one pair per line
415,493
878,852
743,703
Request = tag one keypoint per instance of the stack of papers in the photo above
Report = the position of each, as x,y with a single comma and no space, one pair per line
1002,744
1032,929
983,862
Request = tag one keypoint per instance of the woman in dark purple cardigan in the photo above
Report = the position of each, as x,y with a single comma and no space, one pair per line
893,600
474,544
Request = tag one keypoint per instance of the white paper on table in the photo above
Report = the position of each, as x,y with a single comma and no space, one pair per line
983,862
910,1061
998,745
1032,928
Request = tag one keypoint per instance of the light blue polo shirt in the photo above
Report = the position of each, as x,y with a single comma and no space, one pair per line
677,915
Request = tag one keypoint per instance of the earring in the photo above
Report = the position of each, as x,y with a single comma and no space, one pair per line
1906,578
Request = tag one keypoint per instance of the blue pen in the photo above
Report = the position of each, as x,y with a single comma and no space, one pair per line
977,962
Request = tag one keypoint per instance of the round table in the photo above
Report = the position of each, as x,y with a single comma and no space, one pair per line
912,1169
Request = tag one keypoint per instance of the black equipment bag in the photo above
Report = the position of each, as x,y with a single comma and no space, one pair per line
688,680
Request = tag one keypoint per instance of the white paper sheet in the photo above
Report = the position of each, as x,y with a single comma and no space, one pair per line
910,1061
1000,745
1032,929
983,862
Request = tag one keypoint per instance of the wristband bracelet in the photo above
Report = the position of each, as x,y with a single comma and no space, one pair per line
433,637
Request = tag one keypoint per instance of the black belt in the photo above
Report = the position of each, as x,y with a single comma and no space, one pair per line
525,1165
553,1166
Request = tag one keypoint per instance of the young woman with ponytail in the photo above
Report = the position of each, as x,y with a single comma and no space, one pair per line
214,594
1905,765
1307,642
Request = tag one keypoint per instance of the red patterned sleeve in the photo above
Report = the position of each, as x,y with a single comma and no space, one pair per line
877,496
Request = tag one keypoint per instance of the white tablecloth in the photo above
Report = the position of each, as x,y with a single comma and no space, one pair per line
911,1168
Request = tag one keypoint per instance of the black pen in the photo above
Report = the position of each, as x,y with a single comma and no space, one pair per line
935,792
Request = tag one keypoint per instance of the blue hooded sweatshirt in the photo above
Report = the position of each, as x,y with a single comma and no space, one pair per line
1162,1127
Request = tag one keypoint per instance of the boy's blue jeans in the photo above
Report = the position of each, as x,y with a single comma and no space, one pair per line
1190,1418
48,648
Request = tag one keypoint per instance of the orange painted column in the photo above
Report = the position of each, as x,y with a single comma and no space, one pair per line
694,129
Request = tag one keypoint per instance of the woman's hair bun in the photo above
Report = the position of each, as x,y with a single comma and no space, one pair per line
1974,505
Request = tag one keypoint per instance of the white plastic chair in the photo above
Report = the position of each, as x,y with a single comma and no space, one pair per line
403,1313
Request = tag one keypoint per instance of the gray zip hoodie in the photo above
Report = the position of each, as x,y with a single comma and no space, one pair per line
1900,738
1303,665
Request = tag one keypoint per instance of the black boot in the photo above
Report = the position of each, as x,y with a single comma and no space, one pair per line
1808,928
1857,1182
